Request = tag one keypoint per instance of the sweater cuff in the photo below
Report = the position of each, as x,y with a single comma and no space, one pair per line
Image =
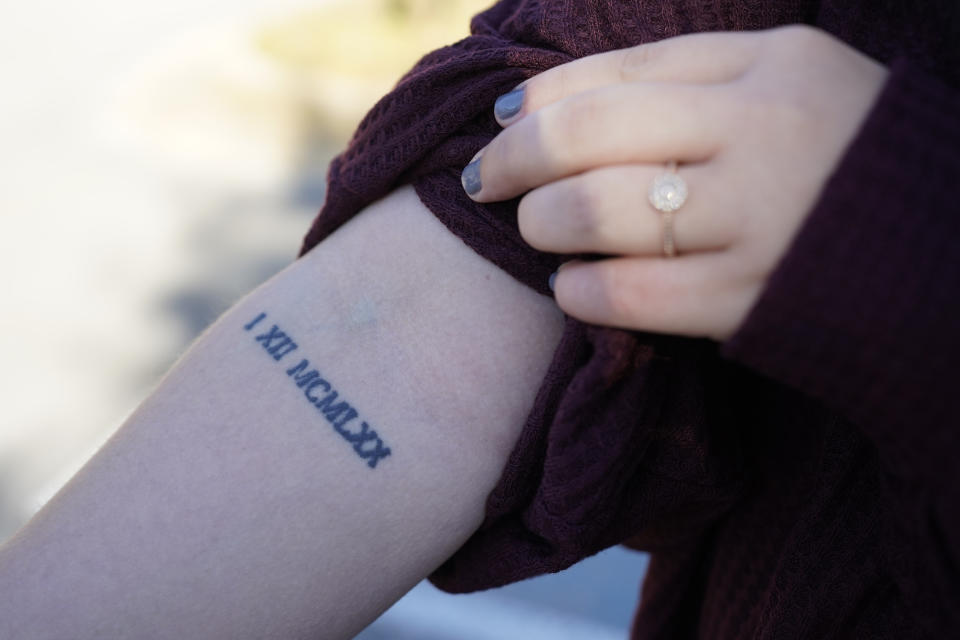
862,312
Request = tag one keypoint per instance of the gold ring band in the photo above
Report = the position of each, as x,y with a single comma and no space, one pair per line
669,244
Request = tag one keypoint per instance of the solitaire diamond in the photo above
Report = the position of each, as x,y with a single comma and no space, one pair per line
668,192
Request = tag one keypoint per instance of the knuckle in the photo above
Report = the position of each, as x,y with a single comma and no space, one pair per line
738,111
569,131
793,44
726,103
633,60
503,149
796,37
621,292
531,219
560,216
583,201
771,109
778,111
507,157
579,110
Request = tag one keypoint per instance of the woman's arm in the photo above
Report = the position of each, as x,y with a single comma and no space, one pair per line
323,447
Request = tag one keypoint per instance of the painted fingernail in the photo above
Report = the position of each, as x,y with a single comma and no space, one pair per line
470,178
509,104
553,281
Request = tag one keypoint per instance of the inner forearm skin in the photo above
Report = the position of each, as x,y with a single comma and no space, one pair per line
327,444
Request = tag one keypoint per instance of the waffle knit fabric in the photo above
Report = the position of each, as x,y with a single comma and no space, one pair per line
800,480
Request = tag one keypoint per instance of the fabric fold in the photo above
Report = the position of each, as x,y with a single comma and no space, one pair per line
638,438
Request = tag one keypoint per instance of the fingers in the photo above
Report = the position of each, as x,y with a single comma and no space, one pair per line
585,140
620,124
699,58
643,104
689,296
608,211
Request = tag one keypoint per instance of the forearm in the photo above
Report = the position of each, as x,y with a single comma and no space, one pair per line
241,501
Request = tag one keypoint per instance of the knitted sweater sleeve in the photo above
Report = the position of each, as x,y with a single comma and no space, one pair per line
863,313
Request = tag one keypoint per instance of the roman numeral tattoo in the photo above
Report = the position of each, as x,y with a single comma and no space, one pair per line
342,416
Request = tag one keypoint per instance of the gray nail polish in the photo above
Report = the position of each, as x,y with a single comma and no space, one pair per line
553,281
470,178
509,104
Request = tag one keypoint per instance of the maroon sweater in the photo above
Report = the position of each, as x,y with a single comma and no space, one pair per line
801,480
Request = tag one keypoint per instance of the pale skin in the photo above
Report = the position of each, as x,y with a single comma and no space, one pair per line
231,506
757,122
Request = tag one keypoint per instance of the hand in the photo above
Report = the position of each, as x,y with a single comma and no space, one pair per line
757,122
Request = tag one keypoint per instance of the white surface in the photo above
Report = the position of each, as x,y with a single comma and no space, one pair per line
91,230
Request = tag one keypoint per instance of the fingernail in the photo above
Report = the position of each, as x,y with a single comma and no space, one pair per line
470,178
509,104
553,281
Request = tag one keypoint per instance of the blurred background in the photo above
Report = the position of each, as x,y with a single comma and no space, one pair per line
158,161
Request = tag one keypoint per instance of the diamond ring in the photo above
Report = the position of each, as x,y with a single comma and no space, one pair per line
667,194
